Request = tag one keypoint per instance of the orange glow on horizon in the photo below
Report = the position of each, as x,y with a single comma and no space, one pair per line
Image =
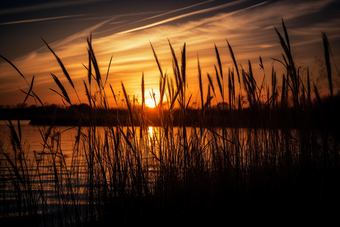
133,55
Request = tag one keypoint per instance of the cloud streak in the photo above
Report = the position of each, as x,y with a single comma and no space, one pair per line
246,30
185,15
45,6
41,19
176,10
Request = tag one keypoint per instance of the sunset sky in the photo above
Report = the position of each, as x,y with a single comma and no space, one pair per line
124,29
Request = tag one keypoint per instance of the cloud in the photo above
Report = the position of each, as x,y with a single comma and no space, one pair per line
249,31
176,10
185,15
82,34
50,5
41,19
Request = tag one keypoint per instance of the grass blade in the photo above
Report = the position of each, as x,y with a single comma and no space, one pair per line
157,61
94,62
211,83
28,93
219,83
308,88
89,74
114,96
61,87
60,63
129,107
175,62
234,61
328,62
219,62
183,67
108,70
188,102
87,93
286,35
200,82
143,92
14,67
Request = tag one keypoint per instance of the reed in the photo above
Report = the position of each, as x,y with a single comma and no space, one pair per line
259,154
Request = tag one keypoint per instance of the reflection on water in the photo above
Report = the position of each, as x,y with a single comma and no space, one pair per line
150,130
58,168
60,159
70,141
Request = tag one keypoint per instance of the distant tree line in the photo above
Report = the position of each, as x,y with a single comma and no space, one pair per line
214,115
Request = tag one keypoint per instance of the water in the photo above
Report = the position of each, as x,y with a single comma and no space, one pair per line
35,169
31,136
59,155
56,173
243,141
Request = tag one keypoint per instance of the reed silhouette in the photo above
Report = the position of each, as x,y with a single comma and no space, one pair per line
274,161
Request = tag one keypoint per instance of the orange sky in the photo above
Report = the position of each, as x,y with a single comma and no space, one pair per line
248,27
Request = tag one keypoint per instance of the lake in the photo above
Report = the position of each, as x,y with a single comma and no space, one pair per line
78,173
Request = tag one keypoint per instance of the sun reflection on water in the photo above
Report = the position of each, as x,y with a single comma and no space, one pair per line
150,131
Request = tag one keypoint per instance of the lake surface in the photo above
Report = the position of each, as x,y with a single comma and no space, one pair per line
32,136
244,139
244,147
37,152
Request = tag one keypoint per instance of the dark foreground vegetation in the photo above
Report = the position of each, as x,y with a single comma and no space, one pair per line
282,168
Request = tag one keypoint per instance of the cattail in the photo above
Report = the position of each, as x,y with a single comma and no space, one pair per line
328,62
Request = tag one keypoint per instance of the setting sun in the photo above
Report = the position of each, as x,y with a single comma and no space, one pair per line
191,112
150,103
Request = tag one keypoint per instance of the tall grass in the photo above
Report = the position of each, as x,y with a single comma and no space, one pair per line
273,158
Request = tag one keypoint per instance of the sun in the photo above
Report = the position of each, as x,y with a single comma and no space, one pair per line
150,103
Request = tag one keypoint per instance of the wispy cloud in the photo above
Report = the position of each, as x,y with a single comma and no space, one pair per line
176,10
44,6
41,19
185,15
246,29
82,34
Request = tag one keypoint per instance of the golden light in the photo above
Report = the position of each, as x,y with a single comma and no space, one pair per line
150,103
150,130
